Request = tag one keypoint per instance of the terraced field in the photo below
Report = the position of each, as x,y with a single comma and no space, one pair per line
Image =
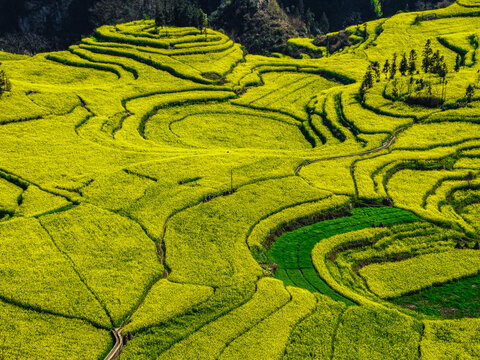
155,181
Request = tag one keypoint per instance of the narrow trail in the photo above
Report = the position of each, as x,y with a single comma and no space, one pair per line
386,145
117,333
118,345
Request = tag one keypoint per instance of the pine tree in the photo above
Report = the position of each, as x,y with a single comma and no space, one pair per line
395,92
393,68
376,68
301,7
412,66
435,62
469,93
458,60
403,65
179,13
367,83
427,54
377,7
324,24
5,85
442,70
386,68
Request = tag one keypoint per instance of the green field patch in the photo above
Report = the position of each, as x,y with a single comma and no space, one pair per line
292,251
454,299
450,339
265,232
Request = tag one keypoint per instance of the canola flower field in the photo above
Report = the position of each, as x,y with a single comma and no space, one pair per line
156,184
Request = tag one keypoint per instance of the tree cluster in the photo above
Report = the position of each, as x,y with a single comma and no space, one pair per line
406,66
372,74
417,91
179,13
433,62
469,93
262,27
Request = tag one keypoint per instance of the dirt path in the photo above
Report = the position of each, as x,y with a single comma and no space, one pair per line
389,142
117,347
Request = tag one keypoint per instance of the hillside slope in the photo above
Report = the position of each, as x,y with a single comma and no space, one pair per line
147,174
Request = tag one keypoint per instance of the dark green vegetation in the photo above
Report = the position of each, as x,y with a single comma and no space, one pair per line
292,251
456,299
5,85
41,25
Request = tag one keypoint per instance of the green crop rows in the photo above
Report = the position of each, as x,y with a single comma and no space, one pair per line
292,251
155,182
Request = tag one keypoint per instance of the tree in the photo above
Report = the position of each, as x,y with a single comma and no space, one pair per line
386,68
367,83
377,7
442,70
203,20
427,54
470,176
364,31
179,13
301,7
403,65
434,62
458,61
412,66
324,24
310,23
376,68
5,85
393,68
469,93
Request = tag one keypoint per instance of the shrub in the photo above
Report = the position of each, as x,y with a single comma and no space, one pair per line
5,85
426,101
